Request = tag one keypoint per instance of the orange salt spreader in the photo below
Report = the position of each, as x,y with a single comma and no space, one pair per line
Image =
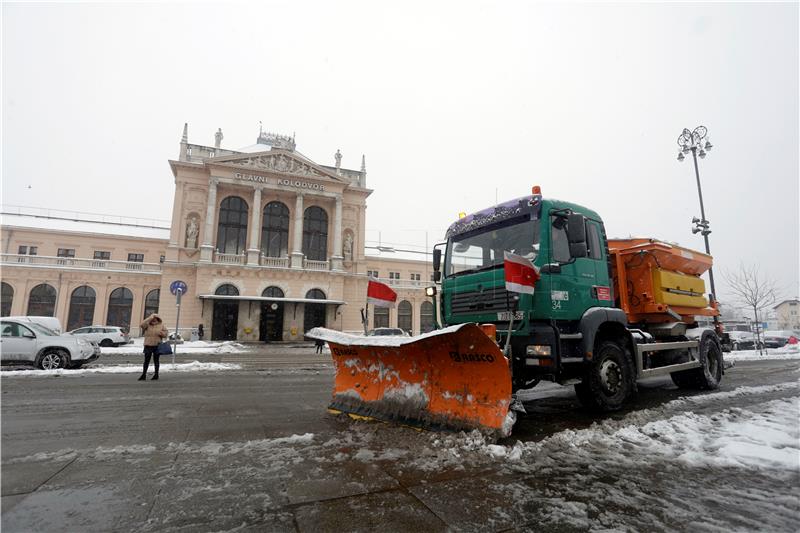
656,282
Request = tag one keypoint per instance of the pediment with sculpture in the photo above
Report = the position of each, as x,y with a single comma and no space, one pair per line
281,163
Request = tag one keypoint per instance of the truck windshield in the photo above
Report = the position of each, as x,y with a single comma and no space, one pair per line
483,249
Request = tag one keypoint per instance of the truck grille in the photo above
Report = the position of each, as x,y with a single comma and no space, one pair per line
483,300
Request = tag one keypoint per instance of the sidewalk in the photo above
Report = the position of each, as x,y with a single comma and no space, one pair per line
253,356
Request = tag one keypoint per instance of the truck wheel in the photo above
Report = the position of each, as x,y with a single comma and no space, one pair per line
610,379
709,375
52,360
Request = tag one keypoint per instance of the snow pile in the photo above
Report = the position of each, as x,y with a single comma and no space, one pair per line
194,366
790,351
765,437
347,339
188,347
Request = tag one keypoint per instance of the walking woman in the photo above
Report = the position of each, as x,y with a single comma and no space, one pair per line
154,332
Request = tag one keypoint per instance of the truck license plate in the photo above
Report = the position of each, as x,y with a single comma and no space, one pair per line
506,315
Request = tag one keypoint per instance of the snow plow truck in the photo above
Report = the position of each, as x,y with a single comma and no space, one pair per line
604,313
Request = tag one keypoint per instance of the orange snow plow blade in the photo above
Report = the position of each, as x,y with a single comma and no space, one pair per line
454,378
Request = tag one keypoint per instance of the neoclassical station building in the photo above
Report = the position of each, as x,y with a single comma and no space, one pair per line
267,243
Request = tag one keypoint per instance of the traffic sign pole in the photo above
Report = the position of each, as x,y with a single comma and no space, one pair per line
178,292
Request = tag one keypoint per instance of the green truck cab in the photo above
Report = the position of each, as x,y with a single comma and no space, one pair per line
569,330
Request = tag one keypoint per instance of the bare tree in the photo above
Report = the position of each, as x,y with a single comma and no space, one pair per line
754,291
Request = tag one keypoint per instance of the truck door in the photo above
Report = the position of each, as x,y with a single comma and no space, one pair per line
601,292
570,290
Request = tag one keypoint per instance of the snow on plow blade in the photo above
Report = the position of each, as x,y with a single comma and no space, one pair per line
454,378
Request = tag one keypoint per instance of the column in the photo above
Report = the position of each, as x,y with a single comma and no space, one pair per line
336,256
297,241
207,249
254,251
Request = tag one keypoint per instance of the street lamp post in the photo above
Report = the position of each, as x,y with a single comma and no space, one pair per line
693,141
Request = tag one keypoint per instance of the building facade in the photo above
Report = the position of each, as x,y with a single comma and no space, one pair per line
266,242
787,314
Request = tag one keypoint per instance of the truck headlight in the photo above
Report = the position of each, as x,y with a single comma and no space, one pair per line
538,349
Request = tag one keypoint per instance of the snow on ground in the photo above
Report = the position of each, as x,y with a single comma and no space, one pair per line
188,347
664,468
166,368
790,351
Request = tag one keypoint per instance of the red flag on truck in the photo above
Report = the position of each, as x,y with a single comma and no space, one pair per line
521,274
380,295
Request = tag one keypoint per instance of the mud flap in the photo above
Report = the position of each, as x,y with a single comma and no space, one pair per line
454,378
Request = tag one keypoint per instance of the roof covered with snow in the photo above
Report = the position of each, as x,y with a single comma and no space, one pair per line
78,225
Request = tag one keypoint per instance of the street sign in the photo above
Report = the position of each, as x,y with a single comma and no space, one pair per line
176,286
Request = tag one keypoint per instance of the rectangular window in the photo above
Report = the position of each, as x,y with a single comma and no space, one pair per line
559,245
394,275
66,252
415,277
23,250
593,238
135,258
102,255
33,250
372,273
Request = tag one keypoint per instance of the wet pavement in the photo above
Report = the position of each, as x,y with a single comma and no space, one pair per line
255,450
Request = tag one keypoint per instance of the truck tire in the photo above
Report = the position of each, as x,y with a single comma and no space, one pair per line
709,375
610,379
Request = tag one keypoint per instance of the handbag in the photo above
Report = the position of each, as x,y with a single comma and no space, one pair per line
163,348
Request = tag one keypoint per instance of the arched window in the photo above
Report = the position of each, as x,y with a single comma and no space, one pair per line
405,316
380,317
426,317
273,292
81,307
315,234
120,303
232,227
227,290
6,297
151,302
314,313
42,301
275,230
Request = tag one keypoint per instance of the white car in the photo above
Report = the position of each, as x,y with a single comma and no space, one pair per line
103,335
50,322
28,343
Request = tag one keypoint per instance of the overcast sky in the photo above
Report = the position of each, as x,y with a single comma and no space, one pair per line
454,105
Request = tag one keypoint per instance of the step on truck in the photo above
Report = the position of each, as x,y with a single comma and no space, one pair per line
604,313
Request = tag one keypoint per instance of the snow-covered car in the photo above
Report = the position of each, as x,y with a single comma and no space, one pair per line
28,343
388,332
779,338
743,340
103,335
50,322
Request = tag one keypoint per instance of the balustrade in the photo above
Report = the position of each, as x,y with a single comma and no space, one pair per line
78,263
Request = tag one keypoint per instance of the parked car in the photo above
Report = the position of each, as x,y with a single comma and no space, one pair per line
780,338
103,335
50,322
29,343
743,340
388,332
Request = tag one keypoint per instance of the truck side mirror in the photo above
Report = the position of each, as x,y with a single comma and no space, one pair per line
437,260
576,229
578,249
